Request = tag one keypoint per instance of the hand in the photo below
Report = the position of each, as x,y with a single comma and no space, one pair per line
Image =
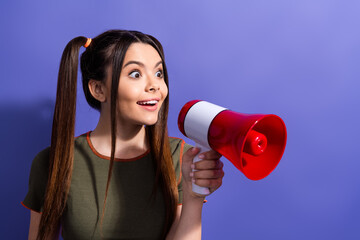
209,171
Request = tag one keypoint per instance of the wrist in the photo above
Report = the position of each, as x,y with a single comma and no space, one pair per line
190,196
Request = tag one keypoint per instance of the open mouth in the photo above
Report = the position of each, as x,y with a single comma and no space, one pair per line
148,103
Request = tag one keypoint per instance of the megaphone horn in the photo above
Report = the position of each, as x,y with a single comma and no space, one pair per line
254,143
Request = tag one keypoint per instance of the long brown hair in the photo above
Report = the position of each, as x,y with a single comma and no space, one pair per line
107,49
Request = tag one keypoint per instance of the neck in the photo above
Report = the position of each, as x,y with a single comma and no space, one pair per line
130,139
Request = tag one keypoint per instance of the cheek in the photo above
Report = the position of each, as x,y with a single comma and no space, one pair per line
164,90
128,92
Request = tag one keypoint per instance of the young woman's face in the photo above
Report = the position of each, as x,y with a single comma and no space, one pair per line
142,88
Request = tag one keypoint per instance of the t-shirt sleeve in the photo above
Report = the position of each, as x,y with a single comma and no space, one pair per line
178,149
39,172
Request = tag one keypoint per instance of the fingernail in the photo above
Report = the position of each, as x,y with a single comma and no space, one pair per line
192,166
201,156
191,174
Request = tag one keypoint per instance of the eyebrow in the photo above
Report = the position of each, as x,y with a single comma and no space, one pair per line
140,63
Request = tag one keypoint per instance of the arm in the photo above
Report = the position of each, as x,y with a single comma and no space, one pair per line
35,218
175,223
209,174
34,224
187,224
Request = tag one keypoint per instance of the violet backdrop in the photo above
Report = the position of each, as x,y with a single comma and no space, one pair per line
297,59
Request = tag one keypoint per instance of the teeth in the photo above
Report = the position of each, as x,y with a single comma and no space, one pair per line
148,102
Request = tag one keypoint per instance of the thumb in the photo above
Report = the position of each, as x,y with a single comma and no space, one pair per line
187,160
190,154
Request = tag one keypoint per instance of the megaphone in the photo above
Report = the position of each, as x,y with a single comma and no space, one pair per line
254,143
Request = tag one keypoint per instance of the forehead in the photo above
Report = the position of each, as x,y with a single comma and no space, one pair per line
142,52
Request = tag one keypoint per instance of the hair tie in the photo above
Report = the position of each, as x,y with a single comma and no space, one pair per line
87,42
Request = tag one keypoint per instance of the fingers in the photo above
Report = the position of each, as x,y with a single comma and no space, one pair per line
210,155
208,178
213,184
208,174
208,164
208,171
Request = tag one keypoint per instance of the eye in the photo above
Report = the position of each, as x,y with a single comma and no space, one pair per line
135,74
159,74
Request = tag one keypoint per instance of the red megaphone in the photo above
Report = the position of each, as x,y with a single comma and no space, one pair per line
254,143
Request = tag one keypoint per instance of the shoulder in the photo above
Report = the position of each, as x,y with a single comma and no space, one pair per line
37,181
40,168
178,146
81,140
178,149
41,161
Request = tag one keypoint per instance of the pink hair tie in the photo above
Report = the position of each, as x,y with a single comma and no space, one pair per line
87,42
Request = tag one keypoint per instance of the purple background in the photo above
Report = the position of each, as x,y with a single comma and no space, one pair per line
296,59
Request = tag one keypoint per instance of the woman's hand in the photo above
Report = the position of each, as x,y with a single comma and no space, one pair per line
208,174
208,171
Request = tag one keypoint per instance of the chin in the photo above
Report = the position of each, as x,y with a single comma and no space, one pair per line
149,121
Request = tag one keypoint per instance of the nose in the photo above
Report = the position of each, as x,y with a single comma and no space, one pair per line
153,85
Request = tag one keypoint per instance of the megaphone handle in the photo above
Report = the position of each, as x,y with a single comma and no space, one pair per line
195,188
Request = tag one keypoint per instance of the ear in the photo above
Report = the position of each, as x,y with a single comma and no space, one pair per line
98,90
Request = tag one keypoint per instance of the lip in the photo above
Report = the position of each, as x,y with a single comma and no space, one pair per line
150,99
149,107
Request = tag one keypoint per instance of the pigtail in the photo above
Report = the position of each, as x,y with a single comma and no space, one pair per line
62,142
165,176
117,62
160,147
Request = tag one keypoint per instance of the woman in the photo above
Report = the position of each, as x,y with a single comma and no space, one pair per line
127,178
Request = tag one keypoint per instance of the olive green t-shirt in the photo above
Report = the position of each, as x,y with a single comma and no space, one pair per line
132,212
